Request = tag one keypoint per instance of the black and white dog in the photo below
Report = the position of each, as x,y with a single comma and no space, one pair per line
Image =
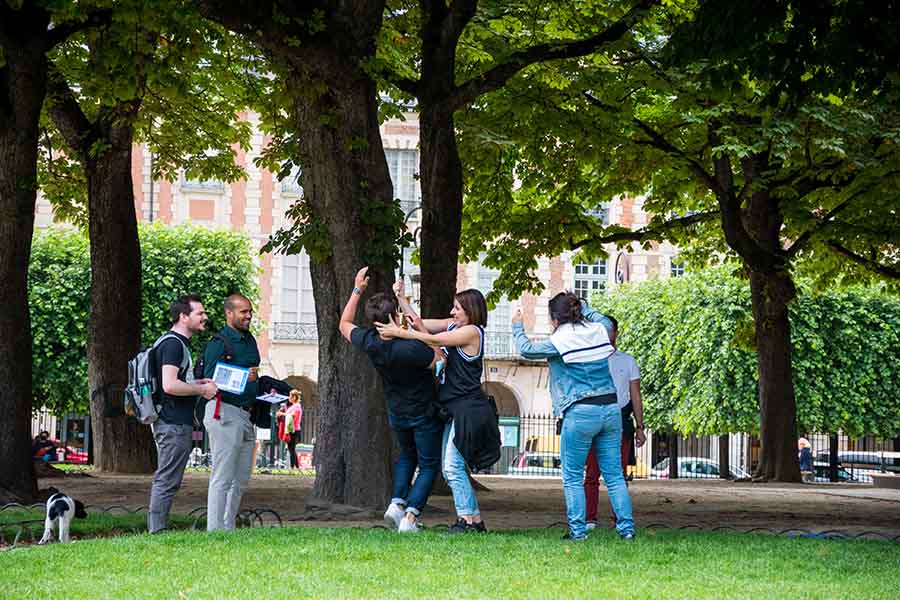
61,509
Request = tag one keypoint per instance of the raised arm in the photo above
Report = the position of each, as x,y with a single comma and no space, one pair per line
359,286
425,325
595,316
527,348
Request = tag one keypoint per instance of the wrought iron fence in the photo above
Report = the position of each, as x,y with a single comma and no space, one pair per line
531,448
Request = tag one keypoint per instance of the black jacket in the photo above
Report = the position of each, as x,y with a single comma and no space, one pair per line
476,432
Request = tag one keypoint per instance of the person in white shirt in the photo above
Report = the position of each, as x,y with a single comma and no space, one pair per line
627,379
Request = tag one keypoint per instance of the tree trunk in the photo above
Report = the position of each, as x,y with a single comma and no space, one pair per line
770,295
771,291
22,89
442,198
114,330
346,187
340,178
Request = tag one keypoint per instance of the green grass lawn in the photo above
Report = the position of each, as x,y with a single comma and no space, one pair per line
376,563
97,523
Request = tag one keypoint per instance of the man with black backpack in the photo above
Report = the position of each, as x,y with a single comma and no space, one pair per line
178,393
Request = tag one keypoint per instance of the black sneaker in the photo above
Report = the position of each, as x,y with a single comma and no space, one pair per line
459,527
571,538
476,527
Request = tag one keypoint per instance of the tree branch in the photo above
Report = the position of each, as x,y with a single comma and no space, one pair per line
827,219
63,31
64,109
658,141
736,234
495,77
872,265
652,232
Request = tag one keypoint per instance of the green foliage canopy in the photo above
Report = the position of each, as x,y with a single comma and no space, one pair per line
693,339
175,261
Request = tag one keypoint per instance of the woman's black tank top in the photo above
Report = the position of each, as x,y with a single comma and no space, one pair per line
462,374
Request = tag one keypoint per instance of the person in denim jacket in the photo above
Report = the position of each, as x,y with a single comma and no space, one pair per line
583,393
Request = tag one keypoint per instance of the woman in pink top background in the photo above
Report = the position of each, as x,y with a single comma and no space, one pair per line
294,412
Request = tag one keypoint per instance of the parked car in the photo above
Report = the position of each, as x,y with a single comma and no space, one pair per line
861,464
694,467
536,464
822,474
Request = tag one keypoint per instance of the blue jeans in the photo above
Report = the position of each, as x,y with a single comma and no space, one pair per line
420,446
600,426
454,467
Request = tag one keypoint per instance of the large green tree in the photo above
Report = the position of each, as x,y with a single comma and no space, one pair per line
446,57
144,71
29,30
748,131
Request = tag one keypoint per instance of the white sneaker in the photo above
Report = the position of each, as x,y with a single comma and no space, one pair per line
590,526
393,515
407,526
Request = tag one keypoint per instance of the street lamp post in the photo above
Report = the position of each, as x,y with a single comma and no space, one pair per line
413,279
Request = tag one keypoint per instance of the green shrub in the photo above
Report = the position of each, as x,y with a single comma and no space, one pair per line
693,338
174,261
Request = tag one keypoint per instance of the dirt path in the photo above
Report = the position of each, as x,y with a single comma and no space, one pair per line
519,502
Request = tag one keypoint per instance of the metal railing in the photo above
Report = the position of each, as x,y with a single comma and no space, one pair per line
282,330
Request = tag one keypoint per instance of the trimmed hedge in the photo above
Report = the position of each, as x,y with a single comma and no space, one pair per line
174,261
693,338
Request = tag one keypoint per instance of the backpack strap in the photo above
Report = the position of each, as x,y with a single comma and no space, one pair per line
185,365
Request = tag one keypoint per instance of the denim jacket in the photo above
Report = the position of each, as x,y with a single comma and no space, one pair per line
569,383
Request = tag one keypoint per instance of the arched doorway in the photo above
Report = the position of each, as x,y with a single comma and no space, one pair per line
505,397
509,412
310,401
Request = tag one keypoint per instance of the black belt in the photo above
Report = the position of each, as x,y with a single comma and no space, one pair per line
599,400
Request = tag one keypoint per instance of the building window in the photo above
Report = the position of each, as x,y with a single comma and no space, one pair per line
600,213
403,166
291,184
297,304
676,268
590,278
210,185
498,341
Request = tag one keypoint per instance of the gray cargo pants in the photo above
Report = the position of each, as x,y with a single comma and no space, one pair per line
173,448
231,441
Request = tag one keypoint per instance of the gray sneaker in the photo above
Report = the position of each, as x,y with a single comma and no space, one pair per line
627,537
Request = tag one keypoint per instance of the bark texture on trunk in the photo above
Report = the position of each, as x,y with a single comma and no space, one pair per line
22,89
114,327
442,193
770,295
771,291
353,444
114,331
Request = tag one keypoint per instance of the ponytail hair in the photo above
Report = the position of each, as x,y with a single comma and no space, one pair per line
565,307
